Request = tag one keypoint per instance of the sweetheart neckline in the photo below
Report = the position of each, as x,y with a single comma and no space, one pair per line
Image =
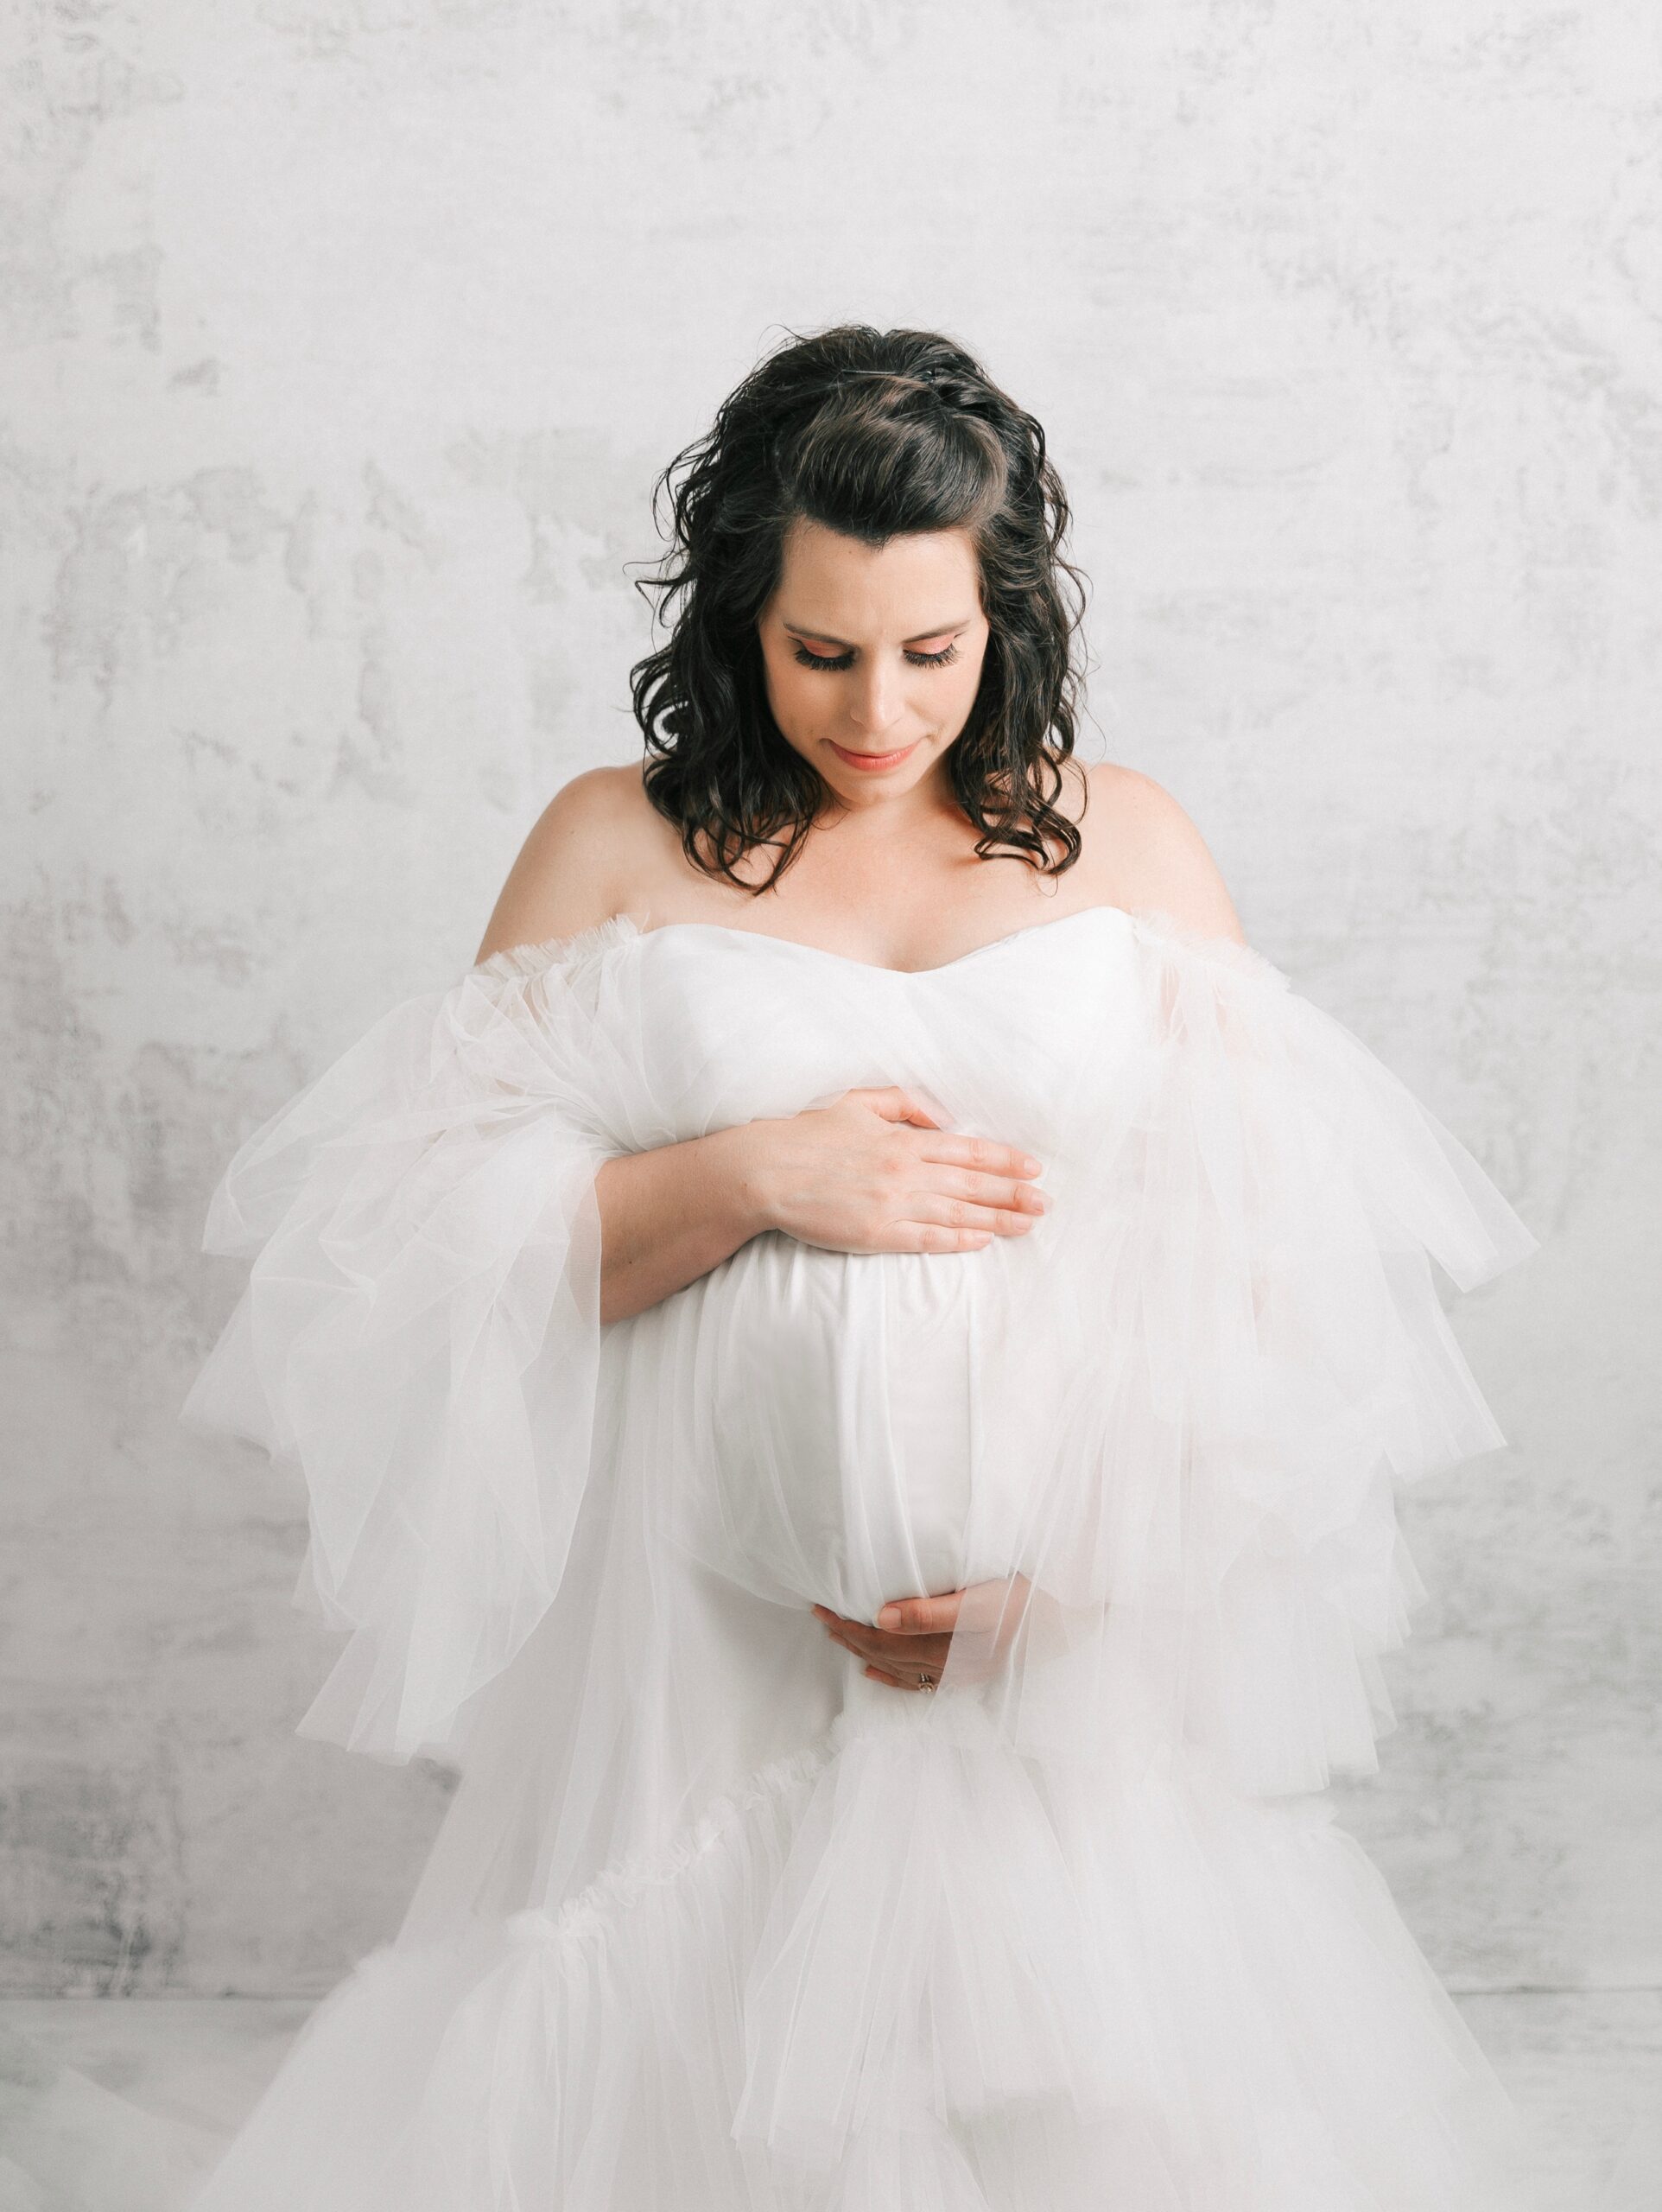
882,967
1174,938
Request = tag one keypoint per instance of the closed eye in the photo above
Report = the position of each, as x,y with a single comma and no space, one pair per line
846,660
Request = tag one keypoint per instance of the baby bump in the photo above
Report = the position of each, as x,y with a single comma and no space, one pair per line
832,1396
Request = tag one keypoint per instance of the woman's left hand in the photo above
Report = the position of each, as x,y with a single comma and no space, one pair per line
912,1635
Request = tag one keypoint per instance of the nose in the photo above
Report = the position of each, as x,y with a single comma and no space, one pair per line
875,705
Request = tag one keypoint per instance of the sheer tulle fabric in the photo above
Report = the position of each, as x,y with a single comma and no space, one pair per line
419,1335
713,1921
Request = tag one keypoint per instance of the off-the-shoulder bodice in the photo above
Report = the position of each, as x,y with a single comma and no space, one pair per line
735,1024
855,1407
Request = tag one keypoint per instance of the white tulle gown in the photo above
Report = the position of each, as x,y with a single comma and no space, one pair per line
715,1924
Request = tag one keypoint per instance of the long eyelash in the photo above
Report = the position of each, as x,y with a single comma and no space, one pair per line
842,660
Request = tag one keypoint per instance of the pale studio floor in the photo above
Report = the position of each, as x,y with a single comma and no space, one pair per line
1587,2066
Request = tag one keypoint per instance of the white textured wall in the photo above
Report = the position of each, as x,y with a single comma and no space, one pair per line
342,340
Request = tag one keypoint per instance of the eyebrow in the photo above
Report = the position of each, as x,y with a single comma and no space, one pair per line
825,637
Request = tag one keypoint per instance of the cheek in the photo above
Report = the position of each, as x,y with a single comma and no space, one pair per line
791,694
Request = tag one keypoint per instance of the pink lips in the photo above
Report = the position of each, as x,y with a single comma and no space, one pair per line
871,760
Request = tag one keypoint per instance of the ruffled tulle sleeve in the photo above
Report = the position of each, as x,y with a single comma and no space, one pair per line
1293,1202
419,1335
1322,1199
1258,1353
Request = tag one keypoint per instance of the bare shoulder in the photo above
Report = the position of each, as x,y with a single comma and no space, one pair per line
574,863
1153,856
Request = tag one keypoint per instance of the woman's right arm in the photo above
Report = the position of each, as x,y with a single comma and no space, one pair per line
870,1173
669,1216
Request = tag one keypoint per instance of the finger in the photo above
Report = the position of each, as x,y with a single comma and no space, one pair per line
944,1210
837,1623
937,1616
901,1651
995,1209
997,1176
843,1624
951,1226
896,1103
849,1624
934,1617
945,1611
935,1236
849,1639
877,1675
1011,1193
982,1155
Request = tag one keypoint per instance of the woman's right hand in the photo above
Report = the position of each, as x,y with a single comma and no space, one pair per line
875,1172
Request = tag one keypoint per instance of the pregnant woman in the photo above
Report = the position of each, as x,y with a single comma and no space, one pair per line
851,1375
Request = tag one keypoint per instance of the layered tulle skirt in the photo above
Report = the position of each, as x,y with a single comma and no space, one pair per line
896,1971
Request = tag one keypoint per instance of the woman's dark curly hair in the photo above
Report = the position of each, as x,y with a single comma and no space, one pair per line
873,434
